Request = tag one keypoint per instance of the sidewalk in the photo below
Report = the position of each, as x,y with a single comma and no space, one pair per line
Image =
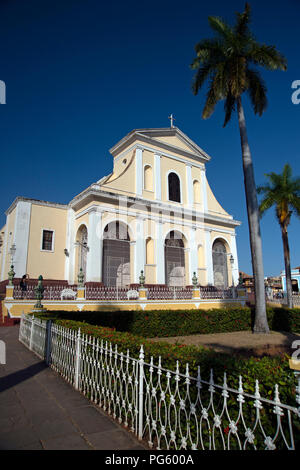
39,410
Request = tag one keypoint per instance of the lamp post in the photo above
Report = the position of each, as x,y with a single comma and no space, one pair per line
231,259
12,252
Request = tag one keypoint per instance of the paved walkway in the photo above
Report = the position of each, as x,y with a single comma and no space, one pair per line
39,410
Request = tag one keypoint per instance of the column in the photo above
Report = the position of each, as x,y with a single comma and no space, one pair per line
209,258
70,256
139,171
193,254
189,185
157,177
21,236
5,248
140,249
235,267
95,242
204,189
160,254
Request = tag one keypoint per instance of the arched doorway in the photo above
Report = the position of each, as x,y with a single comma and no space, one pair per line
220,267
116,255
174,259
82,249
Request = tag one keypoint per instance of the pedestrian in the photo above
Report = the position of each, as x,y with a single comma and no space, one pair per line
23,284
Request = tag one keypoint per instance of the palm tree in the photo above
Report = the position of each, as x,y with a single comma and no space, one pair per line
283,192
228,61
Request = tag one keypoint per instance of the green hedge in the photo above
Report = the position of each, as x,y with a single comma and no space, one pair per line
164,323
268,370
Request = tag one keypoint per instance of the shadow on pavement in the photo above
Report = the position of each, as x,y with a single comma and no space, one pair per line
13,379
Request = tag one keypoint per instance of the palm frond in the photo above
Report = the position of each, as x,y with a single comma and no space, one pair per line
229,107
243,19
266,203
257,91
220,27
266,56
211,101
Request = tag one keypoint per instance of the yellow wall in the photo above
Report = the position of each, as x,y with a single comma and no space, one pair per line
50,264
122,180
213,206
16,308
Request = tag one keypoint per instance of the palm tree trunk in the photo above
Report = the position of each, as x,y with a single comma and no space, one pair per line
261,323
287,263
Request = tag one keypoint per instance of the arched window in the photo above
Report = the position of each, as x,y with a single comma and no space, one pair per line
220,267
174,187
196,191
148,178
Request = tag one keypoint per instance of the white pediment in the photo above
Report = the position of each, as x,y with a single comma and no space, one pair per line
169,139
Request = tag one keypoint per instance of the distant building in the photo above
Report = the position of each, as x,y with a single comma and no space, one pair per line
246,281
274,282
295,279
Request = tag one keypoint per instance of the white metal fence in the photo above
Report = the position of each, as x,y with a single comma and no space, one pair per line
169,409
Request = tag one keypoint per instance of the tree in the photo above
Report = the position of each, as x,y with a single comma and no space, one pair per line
283,193
228,61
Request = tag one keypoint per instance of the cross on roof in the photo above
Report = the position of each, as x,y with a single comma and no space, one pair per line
171,117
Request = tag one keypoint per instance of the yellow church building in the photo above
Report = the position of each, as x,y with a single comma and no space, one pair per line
154,213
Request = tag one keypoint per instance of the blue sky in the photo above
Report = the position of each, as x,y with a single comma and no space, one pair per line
81,74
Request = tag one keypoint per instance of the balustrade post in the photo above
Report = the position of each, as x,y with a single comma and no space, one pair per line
31,333
77,360
48,342
141,394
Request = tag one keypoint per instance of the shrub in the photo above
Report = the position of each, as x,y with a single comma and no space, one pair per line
164,323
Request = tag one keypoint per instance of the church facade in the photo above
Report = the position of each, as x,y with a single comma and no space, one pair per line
154,213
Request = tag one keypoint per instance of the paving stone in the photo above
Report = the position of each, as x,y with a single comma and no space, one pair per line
91,420
67,442
54,428
18,438
116,440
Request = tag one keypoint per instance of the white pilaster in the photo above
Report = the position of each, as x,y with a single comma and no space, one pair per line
160,254
235,267
5,249
139,171
208,258
193,254
157,159
21,237
70,256
139,255
189,185
204,189
94,255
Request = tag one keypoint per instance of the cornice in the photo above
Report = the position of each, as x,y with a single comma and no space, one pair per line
38,202
178,211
